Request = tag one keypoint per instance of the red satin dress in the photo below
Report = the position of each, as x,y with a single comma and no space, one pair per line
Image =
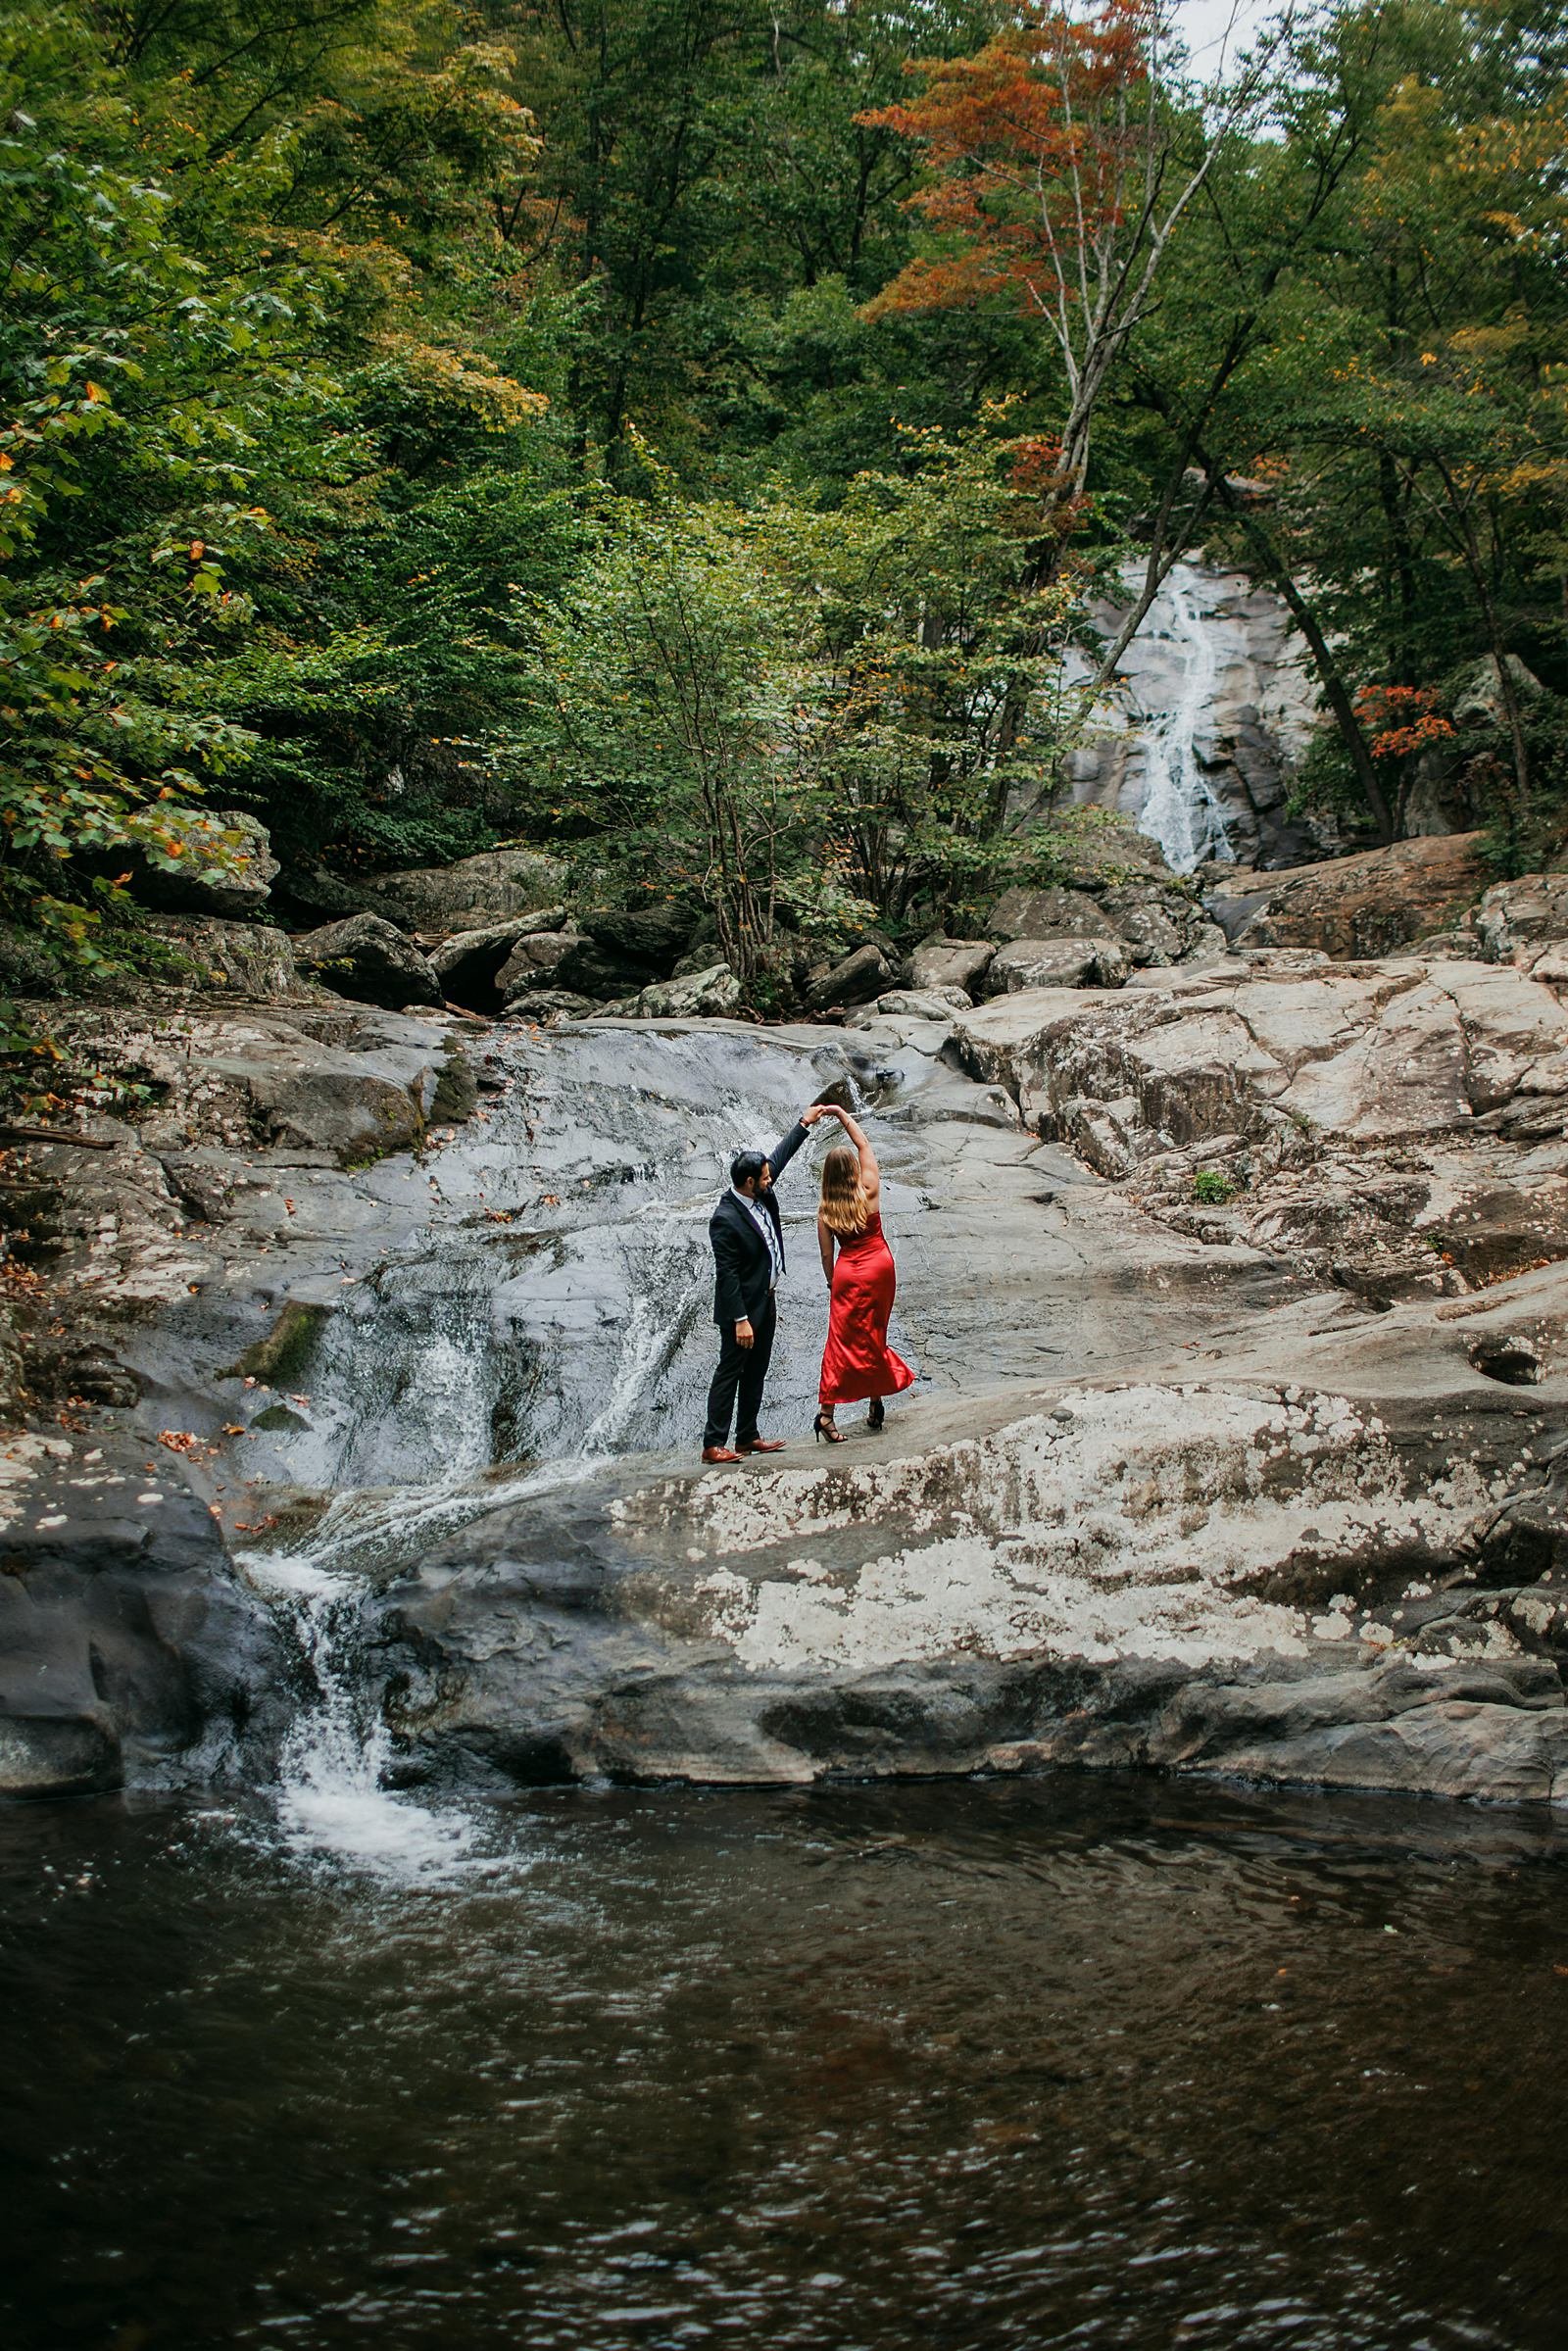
857,1362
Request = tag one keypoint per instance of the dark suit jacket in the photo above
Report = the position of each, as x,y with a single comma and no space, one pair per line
742,1267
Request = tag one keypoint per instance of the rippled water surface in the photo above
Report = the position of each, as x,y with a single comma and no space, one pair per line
1063,2063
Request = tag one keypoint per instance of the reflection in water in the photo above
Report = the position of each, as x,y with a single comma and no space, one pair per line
976,2065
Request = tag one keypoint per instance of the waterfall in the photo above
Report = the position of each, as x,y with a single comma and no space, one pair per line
1179,807
609,1348
331,1797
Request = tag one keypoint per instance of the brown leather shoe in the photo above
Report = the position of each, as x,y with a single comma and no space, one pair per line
764,1444
718,1453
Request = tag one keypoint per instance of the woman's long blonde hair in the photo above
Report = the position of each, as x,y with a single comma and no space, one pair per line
845,1209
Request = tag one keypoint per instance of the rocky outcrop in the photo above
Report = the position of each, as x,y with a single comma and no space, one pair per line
128,1645
437,901
1372,905
1397,1128
368,959
1239,1300
1059,963
864,972
942,963
1259,1578
226,867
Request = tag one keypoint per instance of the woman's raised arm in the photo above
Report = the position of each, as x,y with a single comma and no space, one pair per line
870,1172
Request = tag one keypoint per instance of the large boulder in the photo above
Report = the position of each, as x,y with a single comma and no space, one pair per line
437,900
1515,920
469,964
1355,908
1091,961
698,995
623,949
125,1637
368,959
231,958
1021,913
852,980
923,1003
1249,1575
533,961
225,866
942,963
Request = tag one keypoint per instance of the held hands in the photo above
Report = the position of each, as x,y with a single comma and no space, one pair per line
809,1119
744,1334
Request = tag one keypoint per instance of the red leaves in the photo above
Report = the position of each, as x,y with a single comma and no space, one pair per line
1401,720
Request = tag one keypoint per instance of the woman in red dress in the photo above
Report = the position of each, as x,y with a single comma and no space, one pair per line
857,1360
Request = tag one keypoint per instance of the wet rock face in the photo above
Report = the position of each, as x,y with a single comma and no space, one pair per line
1218,1475
126,1639
1212,634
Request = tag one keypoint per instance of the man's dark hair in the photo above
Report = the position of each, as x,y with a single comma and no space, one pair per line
745,1165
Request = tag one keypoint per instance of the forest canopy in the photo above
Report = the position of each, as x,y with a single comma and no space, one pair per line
691,437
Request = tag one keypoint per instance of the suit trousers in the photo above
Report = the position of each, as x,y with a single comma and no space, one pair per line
743,1368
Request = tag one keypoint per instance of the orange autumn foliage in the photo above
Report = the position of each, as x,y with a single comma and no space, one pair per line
1031,144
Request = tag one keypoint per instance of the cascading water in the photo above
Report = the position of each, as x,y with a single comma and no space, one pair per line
1180,809
555,1311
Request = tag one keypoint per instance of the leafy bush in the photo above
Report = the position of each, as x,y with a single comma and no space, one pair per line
1212,1188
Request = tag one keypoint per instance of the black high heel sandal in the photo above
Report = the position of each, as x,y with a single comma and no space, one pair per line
824,1431
876,1414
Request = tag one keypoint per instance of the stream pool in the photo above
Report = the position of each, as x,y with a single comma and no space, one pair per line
1067,2062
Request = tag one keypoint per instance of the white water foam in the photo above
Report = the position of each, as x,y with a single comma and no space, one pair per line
1180,809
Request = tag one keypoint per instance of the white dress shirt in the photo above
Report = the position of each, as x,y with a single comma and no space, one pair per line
765,1225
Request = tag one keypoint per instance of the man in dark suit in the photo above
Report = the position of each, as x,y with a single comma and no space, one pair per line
748,1236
